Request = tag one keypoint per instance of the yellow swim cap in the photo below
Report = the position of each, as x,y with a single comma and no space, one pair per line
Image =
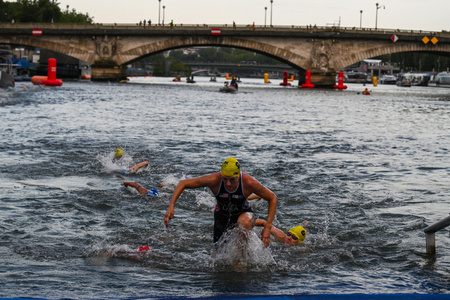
119,152
299,232
230,167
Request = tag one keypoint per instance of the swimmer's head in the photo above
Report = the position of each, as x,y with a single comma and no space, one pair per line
153,193
119,153
230,167
299,232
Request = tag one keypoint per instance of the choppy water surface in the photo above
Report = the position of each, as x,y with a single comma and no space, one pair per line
368,172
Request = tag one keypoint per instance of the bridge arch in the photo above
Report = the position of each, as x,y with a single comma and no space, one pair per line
390,49
296,61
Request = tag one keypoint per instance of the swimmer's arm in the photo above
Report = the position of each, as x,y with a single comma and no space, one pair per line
253,197
138,166
192,183
277,233
257,188
137,186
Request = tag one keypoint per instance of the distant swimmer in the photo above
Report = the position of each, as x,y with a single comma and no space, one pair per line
231,187
149,193
125,171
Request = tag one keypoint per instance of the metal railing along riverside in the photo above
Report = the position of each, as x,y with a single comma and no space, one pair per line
307,28
430,234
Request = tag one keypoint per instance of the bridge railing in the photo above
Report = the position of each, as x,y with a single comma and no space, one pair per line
225,27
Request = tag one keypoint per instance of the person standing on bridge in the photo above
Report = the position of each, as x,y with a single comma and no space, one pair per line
231,187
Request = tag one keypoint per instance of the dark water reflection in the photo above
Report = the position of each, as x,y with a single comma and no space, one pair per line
368,172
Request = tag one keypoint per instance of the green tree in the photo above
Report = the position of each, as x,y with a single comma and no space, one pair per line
37,11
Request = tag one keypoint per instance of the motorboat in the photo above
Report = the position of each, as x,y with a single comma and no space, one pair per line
6,79
403,81
440,80
356,77
228,88
388,79
6,69
413,79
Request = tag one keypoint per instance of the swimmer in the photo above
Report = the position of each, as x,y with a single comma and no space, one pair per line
141,189
231,187
125,171
294,237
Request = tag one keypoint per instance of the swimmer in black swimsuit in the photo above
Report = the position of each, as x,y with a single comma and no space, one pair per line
231,188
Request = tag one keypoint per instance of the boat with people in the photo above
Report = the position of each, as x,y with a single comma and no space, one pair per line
190,79
403,81
413,79
228,88
441,79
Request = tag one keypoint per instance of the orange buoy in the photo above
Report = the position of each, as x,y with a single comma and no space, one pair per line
308,84
85,76
38,79
340,85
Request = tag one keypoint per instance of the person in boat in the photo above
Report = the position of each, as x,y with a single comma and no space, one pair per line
366,92
231,187
234,83
142,190
125,171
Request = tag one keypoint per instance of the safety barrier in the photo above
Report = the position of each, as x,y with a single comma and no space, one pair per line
430,234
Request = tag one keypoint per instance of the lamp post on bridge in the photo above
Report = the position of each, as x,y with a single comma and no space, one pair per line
265,15
164,13
360,19
271,10
159,13
376,16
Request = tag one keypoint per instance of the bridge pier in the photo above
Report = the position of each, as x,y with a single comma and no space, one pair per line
323,80
108,72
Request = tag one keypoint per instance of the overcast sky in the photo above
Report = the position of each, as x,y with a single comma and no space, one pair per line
429,15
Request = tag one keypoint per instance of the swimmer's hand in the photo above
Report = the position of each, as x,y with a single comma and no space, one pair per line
169,215
265,235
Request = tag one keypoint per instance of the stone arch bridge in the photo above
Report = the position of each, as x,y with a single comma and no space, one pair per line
323,51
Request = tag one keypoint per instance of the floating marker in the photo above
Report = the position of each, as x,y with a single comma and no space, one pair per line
51,74
285,79
340,85
308,84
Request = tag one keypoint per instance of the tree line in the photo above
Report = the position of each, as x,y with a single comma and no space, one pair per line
40,11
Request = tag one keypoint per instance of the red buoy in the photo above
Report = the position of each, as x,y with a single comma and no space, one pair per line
340,85
285,79
308,84
51,75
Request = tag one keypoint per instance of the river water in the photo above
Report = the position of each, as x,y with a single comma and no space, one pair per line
368,173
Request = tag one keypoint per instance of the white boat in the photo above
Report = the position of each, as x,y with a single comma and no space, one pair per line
440,80
388,79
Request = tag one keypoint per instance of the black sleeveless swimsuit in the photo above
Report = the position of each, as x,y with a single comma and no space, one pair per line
230,205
